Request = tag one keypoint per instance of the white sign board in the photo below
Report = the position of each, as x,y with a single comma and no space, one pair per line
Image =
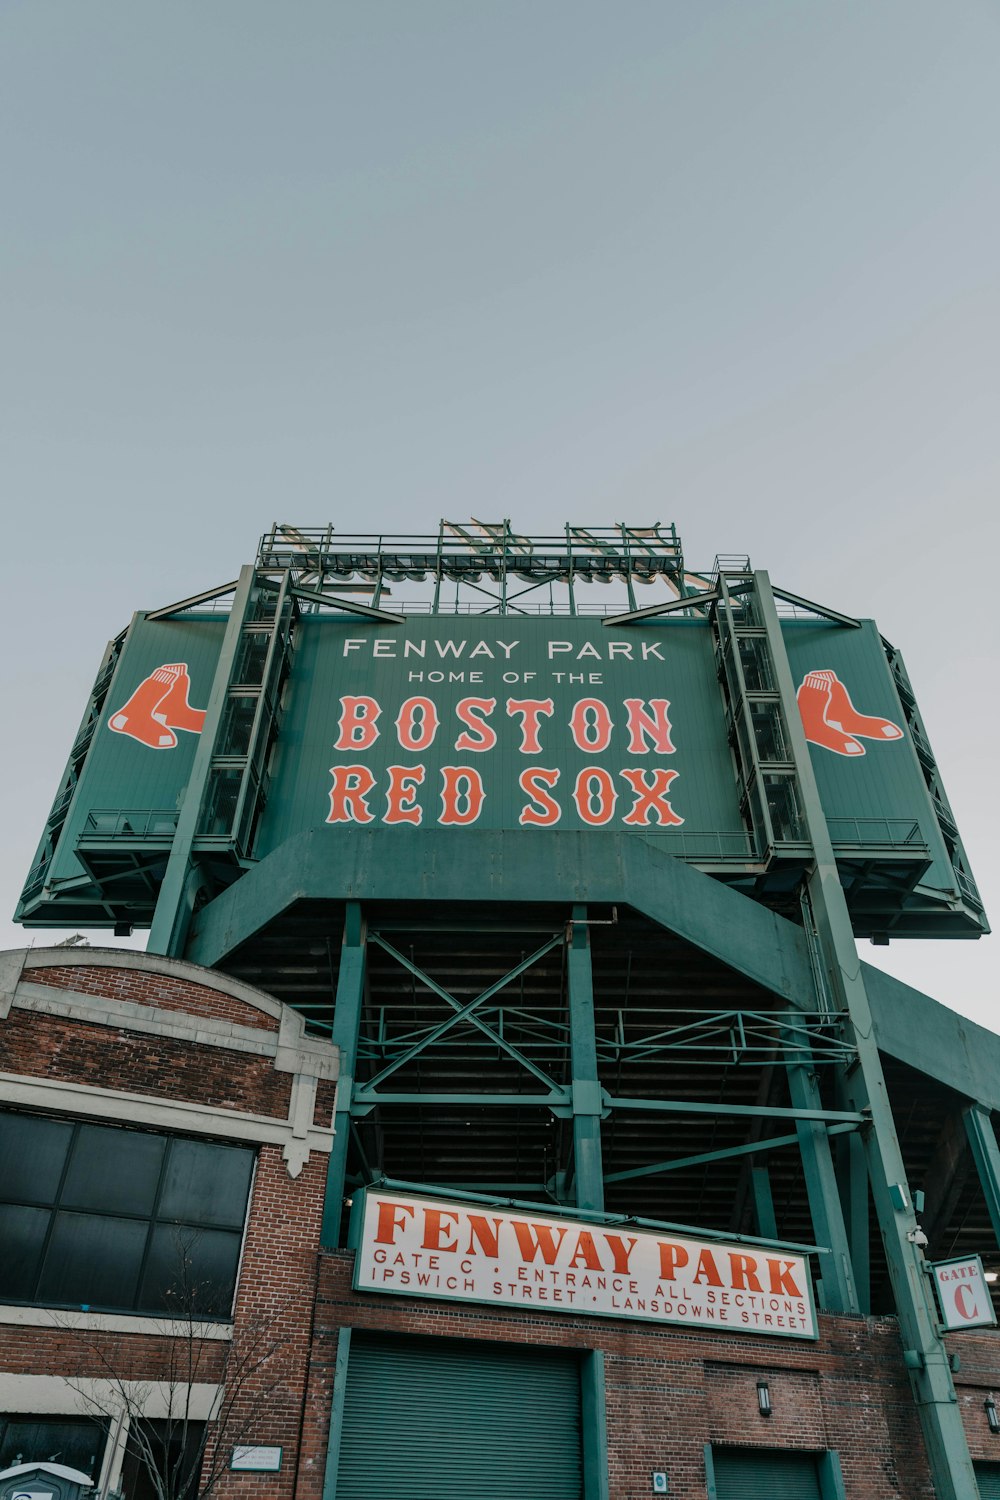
476,1253
256,1459
963,1295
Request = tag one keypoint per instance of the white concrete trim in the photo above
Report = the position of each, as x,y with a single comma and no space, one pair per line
95,1322
11,965
166,1114
44,1394
291,1049
126,1015
151,963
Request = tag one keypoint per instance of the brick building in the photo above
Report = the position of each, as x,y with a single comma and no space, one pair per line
635,1180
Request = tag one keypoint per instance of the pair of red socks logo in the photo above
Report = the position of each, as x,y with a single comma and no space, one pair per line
158,706
831,720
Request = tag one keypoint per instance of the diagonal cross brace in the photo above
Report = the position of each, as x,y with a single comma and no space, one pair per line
465,1012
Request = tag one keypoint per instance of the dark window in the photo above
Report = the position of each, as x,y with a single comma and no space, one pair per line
75,1442
120,1220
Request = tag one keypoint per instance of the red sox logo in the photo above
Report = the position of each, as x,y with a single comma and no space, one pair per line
831,720
158,706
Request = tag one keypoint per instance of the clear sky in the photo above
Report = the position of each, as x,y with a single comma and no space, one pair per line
729,263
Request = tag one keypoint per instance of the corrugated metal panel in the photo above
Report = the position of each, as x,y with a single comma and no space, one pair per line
440,1420
741,1474
988,1480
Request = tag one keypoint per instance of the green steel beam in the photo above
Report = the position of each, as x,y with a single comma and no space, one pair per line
763,1202
825,1208
350,606
571,1211
543,866
748,1148
652,611
365,1097
865,1089
204,597
986,1155
594,1415
337,1414
464,1013
346,1026
858,1218
588,1104
768,1111
175,903
816,609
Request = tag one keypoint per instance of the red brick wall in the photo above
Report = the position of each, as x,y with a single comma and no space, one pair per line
671,1390
143,988
41,1046
276,1293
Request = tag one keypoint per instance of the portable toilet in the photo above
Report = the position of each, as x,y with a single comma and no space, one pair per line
38,1481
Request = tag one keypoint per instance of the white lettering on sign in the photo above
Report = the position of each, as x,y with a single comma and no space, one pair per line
963,1294
433,1248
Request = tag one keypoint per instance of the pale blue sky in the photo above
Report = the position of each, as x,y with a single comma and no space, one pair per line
733,265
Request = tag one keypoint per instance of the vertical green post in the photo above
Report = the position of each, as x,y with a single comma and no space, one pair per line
175,902
588,1174
337,1414
821,1185
865,1089
346,1026
594,1403
986,1155
763,1203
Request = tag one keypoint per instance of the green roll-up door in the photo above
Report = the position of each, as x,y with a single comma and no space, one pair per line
442,1419
988,1480
745,1474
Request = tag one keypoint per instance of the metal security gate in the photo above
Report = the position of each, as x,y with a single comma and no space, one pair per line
743,1474
988,1480
437,1419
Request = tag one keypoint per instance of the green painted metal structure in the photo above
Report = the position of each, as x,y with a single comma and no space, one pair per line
662,1024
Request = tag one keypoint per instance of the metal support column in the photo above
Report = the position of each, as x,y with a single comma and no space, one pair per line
175,902
838,1291
986,1155
864,1085
346,1026
763,1203
588,1176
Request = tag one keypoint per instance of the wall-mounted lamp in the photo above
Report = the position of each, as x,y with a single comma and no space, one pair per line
992,1415
764,1400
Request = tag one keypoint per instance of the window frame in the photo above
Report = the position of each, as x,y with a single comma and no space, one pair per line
58,1213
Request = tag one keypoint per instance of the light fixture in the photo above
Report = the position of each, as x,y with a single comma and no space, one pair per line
987,1275
764,1400
992,1416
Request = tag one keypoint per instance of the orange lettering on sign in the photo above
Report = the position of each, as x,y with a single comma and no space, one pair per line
649,726
435,1227
389,1220
782,1280
531,711
351,785
462,795
483,736
671,1257
707,1270
401,795
546,810
357,727
586,1252
743,1271
534,1237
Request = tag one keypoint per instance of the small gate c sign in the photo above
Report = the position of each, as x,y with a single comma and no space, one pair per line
963,1294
